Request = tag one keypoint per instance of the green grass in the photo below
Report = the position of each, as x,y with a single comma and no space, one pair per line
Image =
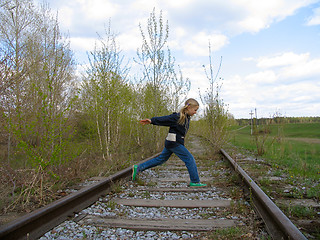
298,130
283,147
227,233
302,130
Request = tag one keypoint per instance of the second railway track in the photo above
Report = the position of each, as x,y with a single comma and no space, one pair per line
159,205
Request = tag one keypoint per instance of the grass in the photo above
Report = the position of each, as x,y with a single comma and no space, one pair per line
302,130
285,148
300,212
227,233
291,152
297,130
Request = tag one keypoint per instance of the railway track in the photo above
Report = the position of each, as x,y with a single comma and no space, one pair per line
159,205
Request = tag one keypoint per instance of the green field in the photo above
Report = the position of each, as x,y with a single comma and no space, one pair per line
294,147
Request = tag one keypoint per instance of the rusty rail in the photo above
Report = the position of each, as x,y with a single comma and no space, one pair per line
35,224
278,224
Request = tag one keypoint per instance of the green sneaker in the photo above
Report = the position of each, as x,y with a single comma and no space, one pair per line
197,184
134,172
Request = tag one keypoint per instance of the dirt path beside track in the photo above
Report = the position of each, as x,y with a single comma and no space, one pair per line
307,140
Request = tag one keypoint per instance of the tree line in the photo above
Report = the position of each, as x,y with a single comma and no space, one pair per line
276,120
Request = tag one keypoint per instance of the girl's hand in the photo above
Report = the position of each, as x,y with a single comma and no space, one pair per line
145,121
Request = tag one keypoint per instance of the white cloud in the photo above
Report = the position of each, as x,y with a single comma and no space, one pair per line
129,41
232,16
239,95
315,19
178,4
286,80
257,15
65,16
195,72
144,5
294,99
302,70
288,65
83,44
261,78
198,45
97,9
248,59
176,36
290,83
278,89
282,59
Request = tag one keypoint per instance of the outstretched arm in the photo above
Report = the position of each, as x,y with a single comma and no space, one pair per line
145,121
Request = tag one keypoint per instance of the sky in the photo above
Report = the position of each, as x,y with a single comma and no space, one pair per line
270,49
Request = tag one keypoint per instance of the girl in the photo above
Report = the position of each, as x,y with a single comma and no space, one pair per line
178,124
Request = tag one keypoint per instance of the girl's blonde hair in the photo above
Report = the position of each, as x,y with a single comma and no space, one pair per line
183,111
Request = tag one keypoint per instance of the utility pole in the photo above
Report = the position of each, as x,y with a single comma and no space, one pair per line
251,113
256,117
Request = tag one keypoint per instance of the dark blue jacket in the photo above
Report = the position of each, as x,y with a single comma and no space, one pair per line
177,132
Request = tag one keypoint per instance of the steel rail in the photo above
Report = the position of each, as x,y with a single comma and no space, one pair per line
278,224
35,224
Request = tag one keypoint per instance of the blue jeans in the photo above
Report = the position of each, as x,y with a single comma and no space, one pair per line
182,152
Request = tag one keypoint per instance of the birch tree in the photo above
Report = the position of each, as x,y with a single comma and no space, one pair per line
163,88
106,93
215,114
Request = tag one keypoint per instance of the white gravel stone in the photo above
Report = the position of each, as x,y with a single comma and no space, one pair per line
105,208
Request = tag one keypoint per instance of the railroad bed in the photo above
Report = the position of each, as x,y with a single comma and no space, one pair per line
160,205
